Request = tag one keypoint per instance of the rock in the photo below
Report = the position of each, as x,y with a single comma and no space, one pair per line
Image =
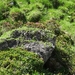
39,35
15,34
3,45
52,49
44,51
7,44
43,45
11,43
28,35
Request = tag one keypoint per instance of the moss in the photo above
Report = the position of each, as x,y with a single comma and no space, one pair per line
14,13
4,11
46,3
6,35
57,3
33,31
12,3
34,16
63,51
17,15
18,61
53,26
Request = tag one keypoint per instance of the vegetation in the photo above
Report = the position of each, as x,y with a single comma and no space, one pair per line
13,59
54,16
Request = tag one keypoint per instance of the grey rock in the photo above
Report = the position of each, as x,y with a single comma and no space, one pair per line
3,45
44,51
39,35
15,34
43,45
8,44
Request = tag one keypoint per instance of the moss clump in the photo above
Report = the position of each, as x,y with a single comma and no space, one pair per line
4,11
53,26
17,15
63,52
34,16
46,3
18,62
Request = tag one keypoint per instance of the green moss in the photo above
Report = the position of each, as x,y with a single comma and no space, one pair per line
17,15
12,3
41,10
4,11
46,3
64,53
34,16
48,33
6,35
18,61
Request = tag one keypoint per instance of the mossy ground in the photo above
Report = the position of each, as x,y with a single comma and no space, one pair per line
45,13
